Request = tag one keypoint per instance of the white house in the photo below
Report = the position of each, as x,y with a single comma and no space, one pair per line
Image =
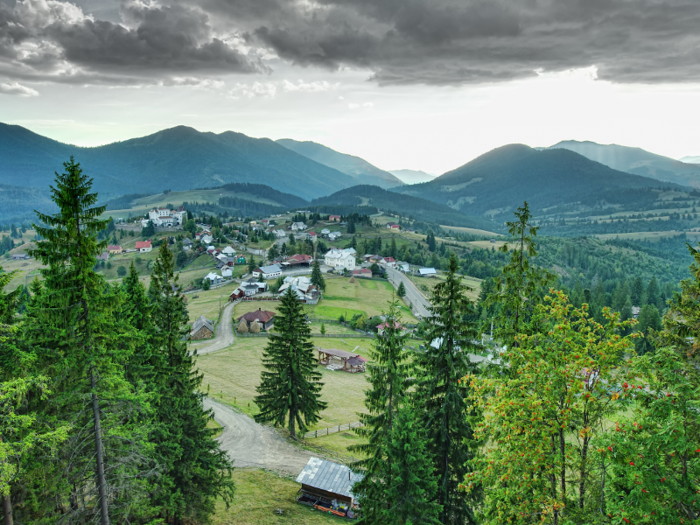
143,246
404,267
334,235
389,261
298,226
302,287
268,272
280,234
206,239
214,278
166,217
341,258
325,231
230,252
226,272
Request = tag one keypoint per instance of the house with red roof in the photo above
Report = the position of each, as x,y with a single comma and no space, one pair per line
113,249
389,261
143,246
264,318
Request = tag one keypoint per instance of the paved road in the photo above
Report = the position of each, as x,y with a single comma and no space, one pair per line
418,301
252,445
224,334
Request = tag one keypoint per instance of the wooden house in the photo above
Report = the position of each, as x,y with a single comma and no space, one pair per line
327,486
202,328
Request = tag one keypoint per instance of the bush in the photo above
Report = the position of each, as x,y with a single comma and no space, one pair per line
121,271
206,284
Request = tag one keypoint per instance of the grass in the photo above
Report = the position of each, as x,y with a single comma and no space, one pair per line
232,375
214,425
472,231
259,494
334,312
370,297
208,303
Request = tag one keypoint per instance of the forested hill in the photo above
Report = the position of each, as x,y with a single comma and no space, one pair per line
359,169
636,161
502,179
404,205
17,204
179,158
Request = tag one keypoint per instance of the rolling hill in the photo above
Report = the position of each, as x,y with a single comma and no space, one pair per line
179,158
17,204
406,205
359,169
636,161
500,180
412,176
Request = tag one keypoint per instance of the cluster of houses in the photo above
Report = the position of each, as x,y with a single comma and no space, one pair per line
341,259
165,217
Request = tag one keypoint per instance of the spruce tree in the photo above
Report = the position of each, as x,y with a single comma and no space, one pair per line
449,339
411,491
387,375
401,292
316,276
195,470
290,387
78,341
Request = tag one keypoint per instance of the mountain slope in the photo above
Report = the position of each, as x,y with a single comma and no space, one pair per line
636,161
412,176
179,158
406,205
17,204
691,160
500,180
361,170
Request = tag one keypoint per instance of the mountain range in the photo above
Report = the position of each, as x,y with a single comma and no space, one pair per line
691,159
359,169
636,161
179,158
500,180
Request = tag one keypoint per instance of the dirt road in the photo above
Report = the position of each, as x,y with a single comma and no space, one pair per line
224,334
252,445
418,301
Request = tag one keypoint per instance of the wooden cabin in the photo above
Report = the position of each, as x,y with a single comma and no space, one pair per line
327,486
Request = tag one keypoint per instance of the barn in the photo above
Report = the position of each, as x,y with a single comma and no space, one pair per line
202,328
327,486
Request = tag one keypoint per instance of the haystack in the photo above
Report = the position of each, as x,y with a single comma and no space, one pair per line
352,280
254,328
243,327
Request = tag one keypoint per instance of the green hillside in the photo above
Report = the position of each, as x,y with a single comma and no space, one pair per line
404,205
362,171
17,203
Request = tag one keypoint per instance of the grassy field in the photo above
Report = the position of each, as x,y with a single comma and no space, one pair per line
472,231
431,282
232,375
648,236
259,494
208,303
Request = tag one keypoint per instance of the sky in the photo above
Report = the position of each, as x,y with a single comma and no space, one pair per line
416,84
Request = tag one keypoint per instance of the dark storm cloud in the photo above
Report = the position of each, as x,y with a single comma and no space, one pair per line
401,41
49,39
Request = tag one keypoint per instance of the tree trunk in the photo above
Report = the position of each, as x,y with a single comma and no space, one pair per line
101,483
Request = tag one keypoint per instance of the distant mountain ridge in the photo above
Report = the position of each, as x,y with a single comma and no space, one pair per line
412,176
359,169
178,158
500,180
636,161
691,159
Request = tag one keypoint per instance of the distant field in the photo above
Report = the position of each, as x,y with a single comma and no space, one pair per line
648,236
472,231
431,282
487,245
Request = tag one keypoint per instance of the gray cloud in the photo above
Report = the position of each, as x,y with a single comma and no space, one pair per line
442,42
52,39
15,88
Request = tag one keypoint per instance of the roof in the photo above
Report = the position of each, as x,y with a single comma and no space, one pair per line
329,476
273,268
362,271
301,257
427,271
143,244
112,247
187,241
389,259
202,322
338,353
356,361
262,316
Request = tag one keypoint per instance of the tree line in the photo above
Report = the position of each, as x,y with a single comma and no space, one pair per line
101,410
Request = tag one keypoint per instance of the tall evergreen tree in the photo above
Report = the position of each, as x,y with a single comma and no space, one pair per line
290,387
401,290
449,339
387,376
77,341
411,491
519,287
195,471
317,277
654,294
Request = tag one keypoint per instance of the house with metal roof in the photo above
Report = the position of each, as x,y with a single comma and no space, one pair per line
327,486
202,328
268,272
427,272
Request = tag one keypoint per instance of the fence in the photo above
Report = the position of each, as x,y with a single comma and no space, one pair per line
331,430
335,336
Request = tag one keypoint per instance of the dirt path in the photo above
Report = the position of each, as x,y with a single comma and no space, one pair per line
224,334
252,445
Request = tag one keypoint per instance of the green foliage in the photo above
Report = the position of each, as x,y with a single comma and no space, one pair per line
121,271
444,407
387,375
316,277
149,230
206,284
401,291
290,387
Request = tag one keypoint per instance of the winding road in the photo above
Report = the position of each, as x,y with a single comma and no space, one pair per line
248,443
418,301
